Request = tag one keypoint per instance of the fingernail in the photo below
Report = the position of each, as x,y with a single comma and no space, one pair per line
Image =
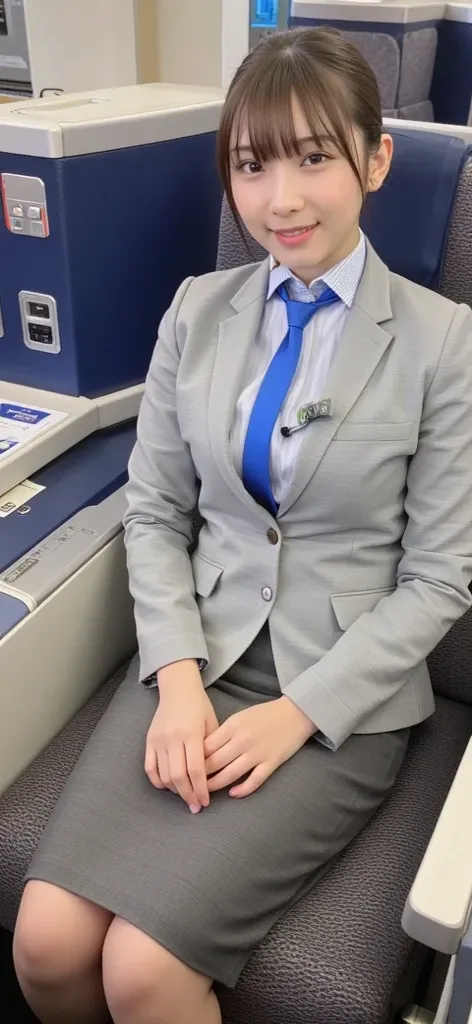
195,809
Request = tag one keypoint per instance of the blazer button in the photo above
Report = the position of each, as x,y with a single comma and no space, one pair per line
266,593
272,536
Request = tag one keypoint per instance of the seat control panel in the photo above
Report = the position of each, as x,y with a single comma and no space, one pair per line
39,322
24,205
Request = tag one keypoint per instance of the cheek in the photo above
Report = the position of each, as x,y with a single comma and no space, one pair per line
342,196
247,200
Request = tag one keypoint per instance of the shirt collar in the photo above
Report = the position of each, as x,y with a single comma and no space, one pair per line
343,278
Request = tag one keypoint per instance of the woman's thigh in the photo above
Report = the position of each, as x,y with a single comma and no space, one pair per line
57,933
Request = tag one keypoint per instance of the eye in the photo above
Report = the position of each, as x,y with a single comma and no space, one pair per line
315,158
249,167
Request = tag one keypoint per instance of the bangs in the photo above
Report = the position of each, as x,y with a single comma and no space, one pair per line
264,117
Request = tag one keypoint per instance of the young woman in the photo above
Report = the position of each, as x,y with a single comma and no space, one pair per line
319,410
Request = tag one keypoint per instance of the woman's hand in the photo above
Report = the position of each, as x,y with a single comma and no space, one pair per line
175,756
257,740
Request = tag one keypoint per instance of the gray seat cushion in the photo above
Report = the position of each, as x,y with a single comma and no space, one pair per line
417,65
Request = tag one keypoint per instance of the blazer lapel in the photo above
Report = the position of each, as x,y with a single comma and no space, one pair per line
361,347
235,337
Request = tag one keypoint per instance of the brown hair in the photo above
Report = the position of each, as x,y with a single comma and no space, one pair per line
335,87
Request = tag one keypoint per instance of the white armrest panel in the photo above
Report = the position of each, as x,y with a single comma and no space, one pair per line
438,906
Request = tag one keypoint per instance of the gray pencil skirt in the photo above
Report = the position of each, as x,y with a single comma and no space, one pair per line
208,887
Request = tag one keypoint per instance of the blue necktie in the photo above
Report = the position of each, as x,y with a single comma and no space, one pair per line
272,394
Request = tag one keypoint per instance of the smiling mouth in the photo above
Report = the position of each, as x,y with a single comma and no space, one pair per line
293,232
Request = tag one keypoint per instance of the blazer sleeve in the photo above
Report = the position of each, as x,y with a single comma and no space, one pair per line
161,494
371,660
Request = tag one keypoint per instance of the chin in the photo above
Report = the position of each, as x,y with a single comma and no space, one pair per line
307,260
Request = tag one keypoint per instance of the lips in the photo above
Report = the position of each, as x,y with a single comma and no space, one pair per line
291,232
295,236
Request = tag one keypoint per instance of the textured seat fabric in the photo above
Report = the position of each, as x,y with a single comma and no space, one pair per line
456,273
450,665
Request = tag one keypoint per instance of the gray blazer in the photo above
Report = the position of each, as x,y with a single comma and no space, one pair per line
374,551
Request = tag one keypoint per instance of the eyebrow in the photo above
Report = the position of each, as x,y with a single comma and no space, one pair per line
308,138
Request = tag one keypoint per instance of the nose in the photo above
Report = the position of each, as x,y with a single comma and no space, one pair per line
285,194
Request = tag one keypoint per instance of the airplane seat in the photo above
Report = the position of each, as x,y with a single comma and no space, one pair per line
382,52
399,40
404,70
340,956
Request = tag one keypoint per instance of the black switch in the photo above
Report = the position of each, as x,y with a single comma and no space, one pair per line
41,333
40,309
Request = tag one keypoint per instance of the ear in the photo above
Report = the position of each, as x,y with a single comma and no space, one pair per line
379,164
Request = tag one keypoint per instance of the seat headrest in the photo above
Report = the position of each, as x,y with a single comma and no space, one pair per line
407,221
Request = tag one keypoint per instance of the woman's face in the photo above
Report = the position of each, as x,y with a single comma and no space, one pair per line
305,209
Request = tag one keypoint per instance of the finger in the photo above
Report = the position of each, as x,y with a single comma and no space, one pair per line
151,768
196,771
225,755
217,739
179,774
234,771
254,782
163,767
212,723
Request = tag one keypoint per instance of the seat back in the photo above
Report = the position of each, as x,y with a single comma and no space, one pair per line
400,51
421,225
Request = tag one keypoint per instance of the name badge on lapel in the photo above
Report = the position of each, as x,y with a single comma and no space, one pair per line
313,411
308,413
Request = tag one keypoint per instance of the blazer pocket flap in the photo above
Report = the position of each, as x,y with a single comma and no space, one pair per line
206,574
374,432
348,607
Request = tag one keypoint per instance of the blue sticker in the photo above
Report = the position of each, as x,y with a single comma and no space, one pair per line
21,414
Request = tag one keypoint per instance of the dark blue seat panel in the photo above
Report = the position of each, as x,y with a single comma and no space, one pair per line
408,219
85,475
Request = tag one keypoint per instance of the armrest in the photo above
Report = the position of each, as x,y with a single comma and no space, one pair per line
439,903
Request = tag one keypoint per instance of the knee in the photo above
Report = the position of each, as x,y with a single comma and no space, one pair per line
133,968
139,973
56,936
39,953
